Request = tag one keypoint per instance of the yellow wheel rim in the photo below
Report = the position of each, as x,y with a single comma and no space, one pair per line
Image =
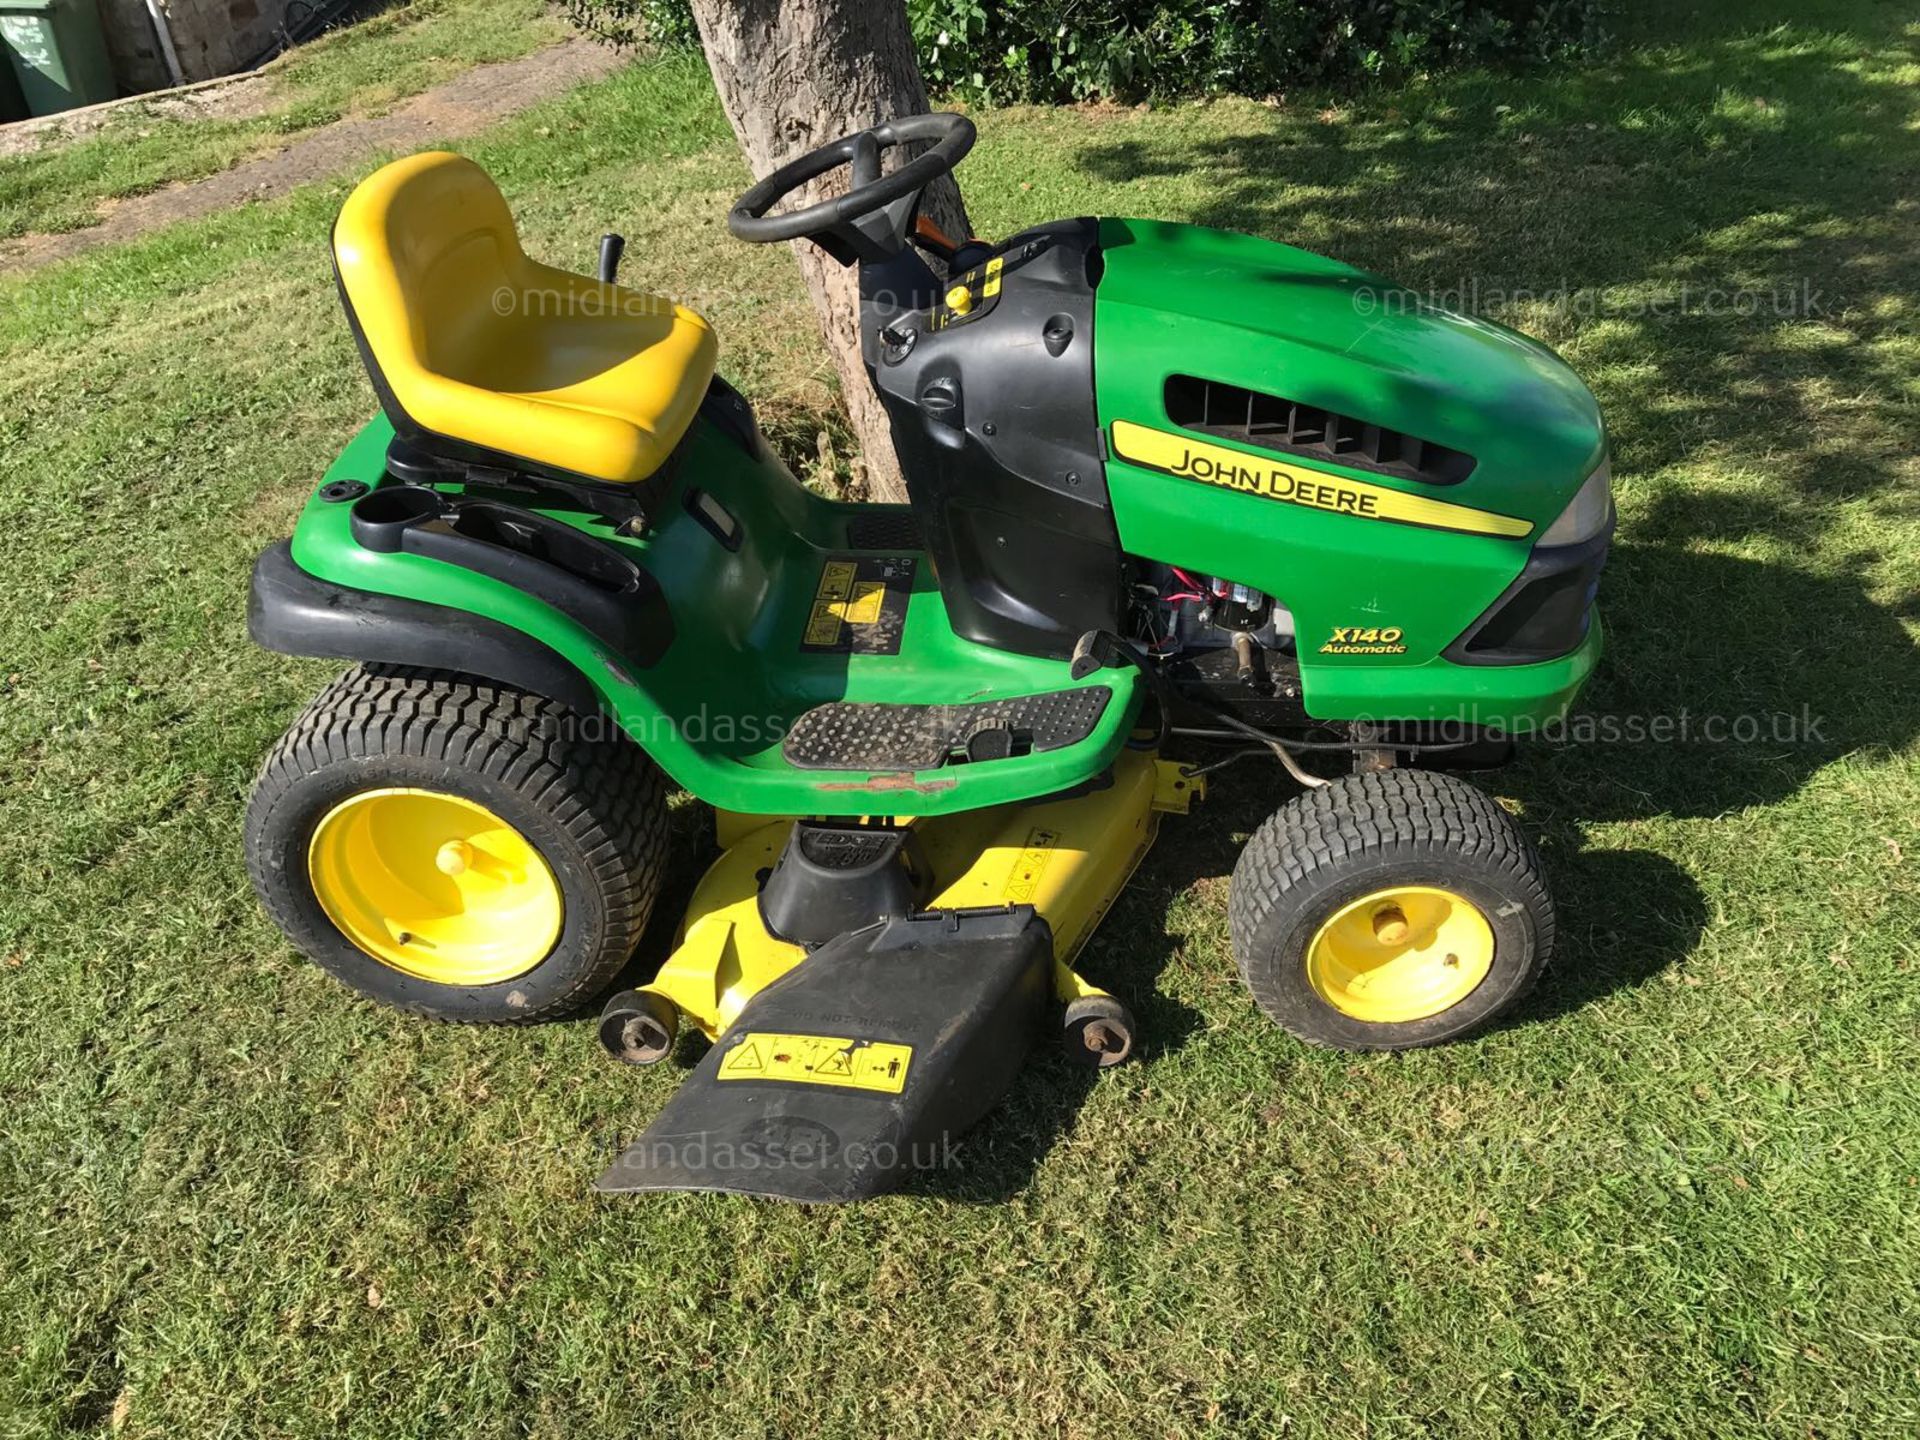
435,886
1401,954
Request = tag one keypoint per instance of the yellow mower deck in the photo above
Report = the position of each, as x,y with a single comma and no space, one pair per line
838,1069
1067,858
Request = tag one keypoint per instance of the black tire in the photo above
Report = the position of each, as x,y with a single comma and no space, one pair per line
585,795
1334,845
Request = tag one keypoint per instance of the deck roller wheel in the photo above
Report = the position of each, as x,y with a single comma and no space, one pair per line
1097,1031
638,1028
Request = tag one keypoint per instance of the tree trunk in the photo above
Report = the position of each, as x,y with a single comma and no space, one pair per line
793,75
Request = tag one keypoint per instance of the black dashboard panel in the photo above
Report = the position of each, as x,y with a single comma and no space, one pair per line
990,390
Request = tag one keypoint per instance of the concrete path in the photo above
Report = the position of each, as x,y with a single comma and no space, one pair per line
483,96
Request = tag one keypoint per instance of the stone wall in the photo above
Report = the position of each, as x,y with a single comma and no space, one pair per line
132,46
211,37
217,37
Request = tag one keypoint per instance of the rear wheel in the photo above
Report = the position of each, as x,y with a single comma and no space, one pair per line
1389,910
457,848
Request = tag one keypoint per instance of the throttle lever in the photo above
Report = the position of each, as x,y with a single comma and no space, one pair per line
612,247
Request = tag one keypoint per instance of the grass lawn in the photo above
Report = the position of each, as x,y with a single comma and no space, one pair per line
1677,1196
355,71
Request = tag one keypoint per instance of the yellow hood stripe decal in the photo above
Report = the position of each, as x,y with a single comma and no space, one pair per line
1316,489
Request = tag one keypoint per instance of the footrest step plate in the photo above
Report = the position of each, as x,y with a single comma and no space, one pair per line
860,735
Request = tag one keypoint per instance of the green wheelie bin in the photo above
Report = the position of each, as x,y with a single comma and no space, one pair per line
13,105
56,53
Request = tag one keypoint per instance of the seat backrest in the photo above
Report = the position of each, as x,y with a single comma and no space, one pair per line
421,248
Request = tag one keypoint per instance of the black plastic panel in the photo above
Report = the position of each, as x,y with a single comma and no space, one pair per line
885,529
1543,614
994,422
295,613
832,878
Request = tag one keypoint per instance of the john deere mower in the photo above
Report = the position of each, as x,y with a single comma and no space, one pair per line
1179,499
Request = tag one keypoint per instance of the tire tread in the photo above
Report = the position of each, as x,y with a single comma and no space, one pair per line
1362,815
604,792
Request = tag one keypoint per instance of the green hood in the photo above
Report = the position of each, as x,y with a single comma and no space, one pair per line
1410,553
1180,299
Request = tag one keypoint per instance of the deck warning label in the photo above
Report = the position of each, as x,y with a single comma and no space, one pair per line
1031,865
859,606
875,1065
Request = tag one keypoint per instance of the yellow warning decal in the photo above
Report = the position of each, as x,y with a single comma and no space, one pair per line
830,602
1317,490
860,605
1030,866
876,1065
992,286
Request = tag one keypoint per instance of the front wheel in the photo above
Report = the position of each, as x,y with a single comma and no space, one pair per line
457,848
1388,911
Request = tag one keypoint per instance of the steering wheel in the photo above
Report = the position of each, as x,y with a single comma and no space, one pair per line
870,221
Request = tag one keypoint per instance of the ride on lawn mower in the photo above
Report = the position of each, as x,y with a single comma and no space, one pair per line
1169,487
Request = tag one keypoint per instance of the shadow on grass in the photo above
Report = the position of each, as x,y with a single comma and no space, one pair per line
1699,639
1624,916
1728,684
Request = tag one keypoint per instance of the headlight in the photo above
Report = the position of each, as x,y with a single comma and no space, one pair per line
1587,513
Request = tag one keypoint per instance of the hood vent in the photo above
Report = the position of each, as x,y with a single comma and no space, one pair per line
1290,428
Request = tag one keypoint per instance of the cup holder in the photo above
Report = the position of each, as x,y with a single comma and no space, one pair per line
380,520
593,583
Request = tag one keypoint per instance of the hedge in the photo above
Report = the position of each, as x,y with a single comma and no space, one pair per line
1053,51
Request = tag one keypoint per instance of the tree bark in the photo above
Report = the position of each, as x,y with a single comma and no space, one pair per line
793,75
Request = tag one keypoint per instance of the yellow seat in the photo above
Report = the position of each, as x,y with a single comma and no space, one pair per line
472,343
